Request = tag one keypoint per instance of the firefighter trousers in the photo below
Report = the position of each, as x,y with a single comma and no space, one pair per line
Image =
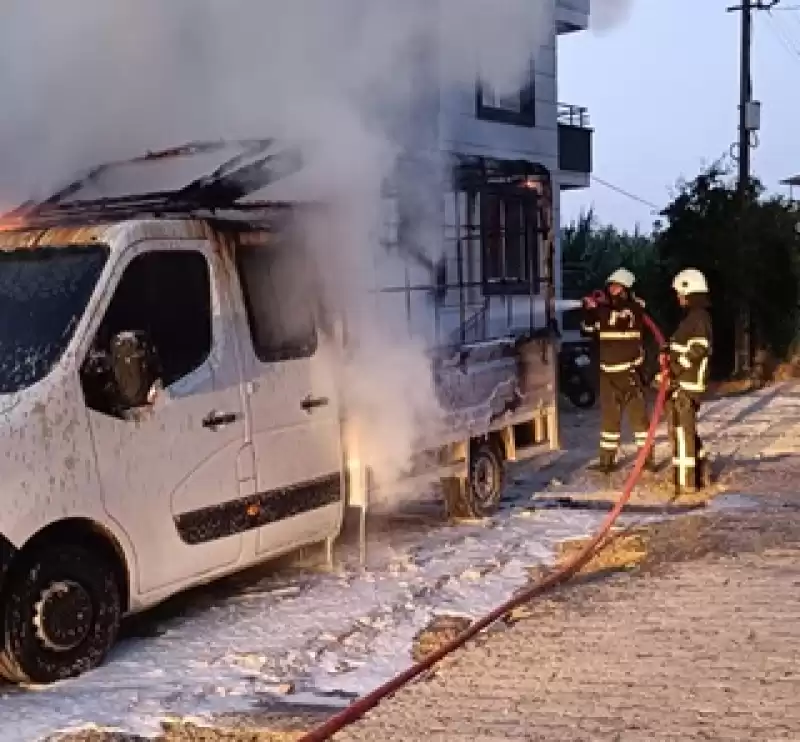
621,391
689,456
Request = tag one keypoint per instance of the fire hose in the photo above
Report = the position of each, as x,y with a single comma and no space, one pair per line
564,572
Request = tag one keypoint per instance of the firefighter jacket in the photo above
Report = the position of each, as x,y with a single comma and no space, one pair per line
690,348
618,327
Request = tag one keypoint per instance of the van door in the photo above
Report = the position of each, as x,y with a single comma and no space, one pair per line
291,399
168,468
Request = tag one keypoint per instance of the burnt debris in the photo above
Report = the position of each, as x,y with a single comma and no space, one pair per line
250,169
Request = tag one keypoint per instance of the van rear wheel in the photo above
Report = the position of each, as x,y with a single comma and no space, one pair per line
479,495
486,479
61,615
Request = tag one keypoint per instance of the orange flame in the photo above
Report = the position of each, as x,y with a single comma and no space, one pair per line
533,184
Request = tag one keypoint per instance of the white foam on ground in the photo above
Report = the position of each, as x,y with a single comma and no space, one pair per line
336,634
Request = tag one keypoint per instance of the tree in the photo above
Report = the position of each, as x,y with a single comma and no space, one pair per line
704,230
598,251
762,270
590,253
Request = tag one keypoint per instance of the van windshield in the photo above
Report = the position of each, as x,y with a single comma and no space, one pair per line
43,294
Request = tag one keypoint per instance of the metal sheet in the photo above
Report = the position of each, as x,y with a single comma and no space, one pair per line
491,385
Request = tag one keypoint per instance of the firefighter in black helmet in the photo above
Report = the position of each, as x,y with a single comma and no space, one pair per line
616,320
688,354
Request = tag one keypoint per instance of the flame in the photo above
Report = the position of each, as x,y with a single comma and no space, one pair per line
533,184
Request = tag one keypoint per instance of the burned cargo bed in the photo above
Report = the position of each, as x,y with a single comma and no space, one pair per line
498,404
493,384
487,307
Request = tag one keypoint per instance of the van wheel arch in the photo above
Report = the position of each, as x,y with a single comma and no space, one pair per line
89,534
495,439
74,562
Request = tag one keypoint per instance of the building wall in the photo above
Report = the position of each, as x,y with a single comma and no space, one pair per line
463,132
460,131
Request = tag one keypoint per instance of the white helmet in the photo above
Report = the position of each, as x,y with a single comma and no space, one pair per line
690,281
623,277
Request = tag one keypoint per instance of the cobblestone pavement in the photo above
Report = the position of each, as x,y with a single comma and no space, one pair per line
700,641
707,649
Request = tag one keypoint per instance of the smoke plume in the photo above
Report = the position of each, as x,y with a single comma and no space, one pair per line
609,14
356,82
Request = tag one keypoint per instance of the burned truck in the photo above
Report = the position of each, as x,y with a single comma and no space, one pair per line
161,430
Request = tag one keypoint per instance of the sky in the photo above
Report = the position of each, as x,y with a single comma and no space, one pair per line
662,90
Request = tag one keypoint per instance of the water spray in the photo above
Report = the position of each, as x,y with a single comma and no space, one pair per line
567,305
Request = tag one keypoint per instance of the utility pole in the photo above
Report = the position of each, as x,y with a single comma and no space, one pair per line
749,124
743,335
745,96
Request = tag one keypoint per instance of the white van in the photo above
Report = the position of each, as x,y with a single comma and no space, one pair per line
120,500
160,428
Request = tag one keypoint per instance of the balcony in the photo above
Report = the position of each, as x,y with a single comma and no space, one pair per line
574,146
572,15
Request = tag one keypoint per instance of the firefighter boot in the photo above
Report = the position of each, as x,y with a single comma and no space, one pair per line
690,486
650,461
703,474
605,464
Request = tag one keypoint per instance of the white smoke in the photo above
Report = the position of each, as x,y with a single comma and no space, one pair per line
608,15
90,81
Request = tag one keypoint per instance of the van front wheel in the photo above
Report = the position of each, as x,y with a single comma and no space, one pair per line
61,615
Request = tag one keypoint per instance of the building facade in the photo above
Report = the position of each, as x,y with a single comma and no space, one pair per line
507,161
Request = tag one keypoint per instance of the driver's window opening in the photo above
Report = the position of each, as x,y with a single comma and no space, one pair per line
160,314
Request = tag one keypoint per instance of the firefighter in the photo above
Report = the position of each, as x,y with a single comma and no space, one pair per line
615,318
688,354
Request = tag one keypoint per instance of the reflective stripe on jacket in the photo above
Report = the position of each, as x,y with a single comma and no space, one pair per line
618,330
690,349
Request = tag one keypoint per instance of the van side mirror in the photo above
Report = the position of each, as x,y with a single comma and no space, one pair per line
135,368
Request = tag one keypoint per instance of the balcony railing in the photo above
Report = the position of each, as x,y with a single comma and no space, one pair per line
577,116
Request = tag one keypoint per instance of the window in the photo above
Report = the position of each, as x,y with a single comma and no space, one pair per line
509,243
166,296
279,299
518,109
491,99
43,295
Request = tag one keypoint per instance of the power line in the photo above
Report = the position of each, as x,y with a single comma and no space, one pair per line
793,16
627,194
782,35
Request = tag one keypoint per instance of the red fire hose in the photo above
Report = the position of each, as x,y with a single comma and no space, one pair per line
358,708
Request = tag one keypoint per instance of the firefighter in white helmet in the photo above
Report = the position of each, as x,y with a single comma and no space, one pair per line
688,354
615,318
